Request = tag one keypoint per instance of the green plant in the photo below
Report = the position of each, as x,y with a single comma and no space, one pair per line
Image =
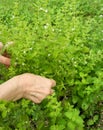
60,40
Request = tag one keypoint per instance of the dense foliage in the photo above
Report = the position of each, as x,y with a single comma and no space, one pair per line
59,39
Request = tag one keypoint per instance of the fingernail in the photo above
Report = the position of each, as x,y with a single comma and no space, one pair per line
53,82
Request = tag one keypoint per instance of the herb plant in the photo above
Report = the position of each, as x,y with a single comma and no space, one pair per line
58,39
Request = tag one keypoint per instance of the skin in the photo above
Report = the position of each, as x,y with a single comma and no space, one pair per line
27,85
3,59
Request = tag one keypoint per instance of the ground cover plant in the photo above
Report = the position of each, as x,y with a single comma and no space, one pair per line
59,39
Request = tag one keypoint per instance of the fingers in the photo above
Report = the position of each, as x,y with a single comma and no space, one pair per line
36,88
1,45
4,60
53,83
33,98
38,96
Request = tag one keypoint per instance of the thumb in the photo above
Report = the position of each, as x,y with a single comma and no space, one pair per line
4,60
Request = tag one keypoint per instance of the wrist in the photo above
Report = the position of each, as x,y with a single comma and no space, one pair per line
10,90
25,81
22,83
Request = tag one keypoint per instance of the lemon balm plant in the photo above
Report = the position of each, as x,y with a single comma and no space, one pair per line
60,40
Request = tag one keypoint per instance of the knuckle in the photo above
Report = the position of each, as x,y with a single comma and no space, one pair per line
48,92
38,101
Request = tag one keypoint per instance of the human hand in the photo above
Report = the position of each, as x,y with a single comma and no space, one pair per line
5,59
29,86
36,87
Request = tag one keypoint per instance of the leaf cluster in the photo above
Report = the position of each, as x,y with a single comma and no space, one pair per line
58,39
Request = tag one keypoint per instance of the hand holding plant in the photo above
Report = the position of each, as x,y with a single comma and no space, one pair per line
35,87
4,59
27,85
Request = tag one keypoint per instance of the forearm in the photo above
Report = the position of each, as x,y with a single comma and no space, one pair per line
10,90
